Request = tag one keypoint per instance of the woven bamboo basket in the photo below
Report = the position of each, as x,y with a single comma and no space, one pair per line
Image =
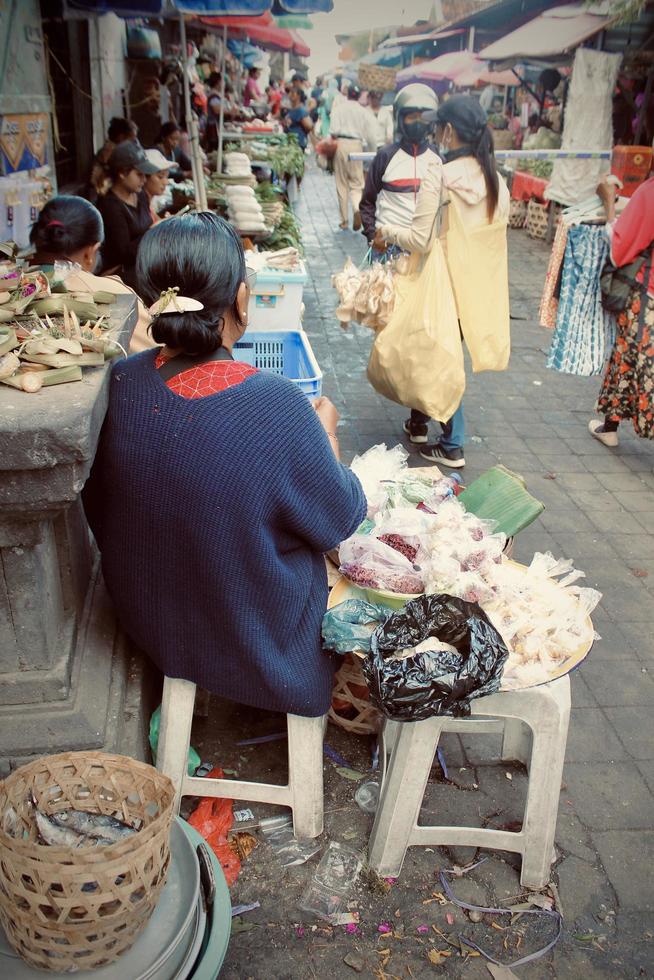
351,708
502,139
377,78
517,214
69,909
536,221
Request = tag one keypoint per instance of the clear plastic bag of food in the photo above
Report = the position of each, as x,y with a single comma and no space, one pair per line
372,564
376,465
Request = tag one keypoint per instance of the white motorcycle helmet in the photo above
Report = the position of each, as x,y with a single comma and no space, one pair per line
410,99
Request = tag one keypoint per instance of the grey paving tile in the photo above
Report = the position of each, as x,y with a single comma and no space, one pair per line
584,545
609,796
582,696
618,521
628,483
632,546
591,739
613,645
628,858
641,500
635,728
631,685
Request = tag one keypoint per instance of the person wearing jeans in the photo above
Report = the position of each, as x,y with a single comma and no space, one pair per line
472,188
452,437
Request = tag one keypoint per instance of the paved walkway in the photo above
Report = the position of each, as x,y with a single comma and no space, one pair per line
599,512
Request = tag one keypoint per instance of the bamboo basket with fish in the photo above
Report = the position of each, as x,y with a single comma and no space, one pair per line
84,854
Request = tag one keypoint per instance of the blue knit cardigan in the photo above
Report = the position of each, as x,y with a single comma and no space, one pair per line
212,516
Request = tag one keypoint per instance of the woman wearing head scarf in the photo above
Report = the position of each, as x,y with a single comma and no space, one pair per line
473,234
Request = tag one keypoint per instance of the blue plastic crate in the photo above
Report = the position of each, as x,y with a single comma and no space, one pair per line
285,352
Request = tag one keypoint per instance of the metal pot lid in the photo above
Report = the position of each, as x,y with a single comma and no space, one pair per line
175,920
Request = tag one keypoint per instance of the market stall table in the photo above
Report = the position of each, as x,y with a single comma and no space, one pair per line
525,186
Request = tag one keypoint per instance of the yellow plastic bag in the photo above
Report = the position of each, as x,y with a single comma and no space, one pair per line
478,262
417,358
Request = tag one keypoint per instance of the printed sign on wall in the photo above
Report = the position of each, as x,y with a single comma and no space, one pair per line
23,142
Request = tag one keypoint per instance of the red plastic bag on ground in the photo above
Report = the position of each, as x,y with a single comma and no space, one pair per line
213,819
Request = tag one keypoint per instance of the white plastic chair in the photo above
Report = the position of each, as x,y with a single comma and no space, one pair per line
303,792
543,712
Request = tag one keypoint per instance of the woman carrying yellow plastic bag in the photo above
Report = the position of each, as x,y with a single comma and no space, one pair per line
421,341
474,236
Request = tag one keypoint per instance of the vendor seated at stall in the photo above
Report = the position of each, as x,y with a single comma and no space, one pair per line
217,488
120,131
69,230
156,184
125,210
168,143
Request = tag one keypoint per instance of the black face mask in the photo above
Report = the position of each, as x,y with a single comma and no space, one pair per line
415,131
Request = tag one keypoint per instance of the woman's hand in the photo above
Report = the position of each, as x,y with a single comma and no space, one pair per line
607,193
327,413
379,242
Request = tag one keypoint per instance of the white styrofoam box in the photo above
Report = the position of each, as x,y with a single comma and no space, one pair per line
276,300
20,203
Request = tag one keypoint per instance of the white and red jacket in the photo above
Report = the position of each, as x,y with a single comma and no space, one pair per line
392,185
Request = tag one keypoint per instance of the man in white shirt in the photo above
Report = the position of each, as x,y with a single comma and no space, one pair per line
383,119
353,127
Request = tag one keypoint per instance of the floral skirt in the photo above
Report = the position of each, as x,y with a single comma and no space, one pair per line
628,387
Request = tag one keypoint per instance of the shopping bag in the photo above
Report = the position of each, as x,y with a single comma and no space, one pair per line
417,358
478,262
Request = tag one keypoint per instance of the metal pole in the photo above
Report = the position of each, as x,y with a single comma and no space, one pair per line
221,118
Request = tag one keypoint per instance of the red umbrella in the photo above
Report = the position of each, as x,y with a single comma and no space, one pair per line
259,30
300,47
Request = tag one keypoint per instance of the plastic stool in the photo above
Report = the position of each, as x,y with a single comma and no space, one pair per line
303,792
546,711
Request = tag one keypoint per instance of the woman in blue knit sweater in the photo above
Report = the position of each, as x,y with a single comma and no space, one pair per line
217,488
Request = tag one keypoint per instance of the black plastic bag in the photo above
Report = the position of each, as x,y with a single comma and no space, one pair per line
437,682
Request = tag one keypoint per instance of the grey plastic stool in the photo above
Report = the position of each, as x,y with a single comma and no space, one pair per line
303,792
542,711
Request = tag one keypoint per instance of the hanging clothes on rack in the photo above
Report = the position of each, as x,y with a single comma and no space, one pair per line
584,332
549,303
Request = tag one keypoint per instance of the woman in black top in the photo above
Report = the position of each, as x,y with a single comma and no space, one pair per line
168,142
125,210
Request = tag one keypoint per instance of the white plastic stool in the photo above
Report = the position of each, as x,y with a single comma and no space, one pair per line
303,792
546,711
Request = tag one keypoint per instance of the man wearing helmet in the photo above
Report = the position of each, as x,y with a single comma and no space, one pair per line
393,181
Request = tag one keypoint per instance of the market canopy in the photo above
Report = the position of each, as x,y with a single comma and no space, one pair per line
463,68
261,31
553,33
444,68
159,8
419,38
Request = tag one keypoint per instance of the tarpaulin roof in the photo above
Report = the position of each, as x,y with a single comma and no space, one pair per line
464,68
419,38
553,32
388,57
446,66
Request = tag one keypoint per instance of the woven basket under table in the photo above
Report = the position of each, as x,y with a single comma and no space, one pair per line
68,909
536,222
351,708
